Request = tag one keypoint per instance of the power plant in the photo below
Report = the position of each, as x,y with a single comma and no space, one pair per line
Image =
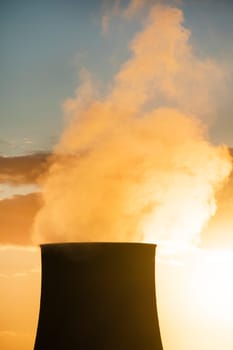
98,296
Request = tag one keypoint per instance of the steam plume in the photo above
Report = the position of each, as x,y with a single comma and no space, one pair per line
136,165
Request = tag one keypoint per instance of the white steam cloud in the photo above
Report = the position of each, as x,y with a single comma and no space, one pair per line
136,165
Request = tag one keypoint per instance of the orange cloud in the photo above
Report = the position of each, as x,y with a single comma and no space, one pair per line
16,218
137,164
22,169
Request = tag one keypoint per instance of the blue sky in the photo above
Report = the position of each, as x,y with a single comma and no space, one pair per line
45,43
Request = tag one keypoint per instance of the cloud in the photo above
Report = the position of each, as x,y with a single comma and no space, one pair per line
219,230
118,9
135,6
16,218
22,169
129,10
137,164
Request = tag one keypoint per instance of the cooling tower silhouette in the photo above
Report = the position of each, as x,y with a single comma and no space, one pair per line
98,296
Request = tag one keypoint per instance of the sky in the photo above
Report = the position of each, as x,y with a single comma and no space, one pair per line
62,56
45,44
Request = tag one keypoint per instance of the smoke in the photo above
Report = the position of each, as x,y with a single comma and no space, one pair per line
136,164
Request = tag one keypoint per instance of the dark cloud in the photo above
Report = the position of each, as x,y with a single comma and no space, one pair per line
23,169
16,218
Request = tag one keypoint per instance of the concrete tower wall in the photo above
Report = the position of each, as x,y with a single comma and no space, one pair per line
98,296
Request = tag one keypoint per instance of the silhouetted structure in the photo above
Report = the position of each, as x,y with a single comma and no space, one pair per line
98,296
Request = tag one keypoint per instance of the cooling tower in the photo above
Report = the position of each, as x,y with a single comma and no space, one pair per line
98,296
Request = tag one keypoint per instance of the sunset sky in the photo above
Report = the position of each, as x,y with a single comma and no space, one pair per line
57,58
44,45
